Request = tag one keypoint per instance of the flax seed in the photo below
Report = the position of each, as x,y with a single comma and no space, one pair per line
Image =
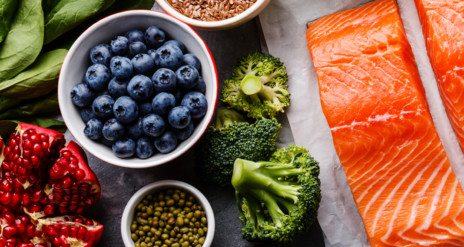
211,10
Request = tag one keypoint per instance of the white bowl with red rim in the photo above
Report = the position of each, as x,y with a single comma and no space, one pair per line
232,22
77,61
129,210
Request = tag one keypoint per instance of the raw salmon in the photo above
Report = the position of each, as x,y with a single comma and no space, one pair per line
443,28
373,99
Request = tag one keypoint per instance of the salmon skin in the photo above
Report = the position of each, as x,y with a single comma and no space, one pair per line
443,28
373,99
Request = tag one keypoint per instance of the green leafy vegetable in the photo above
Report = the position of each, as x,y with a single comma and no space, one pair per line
38,79
121,5
67,14
8,126
7,102
42,105
24,40
7,9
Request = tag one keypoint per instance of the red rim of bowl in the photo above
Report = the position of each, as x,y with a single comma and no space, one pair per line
178,22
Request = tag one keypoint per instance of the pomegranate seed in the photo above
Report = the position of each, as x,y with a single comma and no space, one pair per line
16,200
9,231
6,198
89,222
67,182
6,186
56,241
22,171
73,159
30,231
81,233
51,231
36,196
64,230
80,174
49,209
37,148
34,208
34,159
88,236
20,226
73,231
45,145
43,137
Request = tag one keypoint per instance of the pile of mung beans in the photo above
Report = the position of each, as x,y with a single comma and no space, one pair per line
169,218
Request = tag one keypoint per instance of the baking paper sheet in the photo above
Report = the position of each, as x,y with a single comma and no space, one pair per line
284,28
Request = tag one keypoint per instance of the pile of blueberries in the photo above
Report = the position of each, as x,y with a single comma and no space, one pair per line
142,94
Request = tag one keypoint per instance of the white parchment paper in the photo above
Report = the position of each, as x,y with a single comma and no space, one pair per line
284,27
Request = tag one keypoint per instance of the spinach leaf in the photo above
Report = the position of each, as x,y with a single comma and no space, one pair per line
67,14
121,5
8,126
7,9
42,105
38,79
24,40
7,102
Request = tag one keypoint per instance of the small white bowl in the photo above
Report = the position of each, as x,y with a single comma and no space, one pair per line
129,210
235,21
77,61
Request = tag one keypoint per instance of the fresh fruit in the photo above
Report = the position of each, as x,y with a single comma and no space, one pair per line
168,56
148,93
124,148
192,60
100,53
154,36
163,102
187,77
164,80
196,104
97,77
119,45
179,117
166,143
82,95
125,109
41,180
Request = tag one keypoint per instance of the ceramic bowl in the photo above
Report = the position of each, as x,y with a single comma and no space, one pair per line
77,60
232,22
129,210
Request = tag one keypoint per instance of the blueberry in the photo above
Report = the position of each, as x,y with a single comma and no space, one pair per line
100,54
153,125
145,108
140,88
154,36
98,76
117,87
168,56
196,103
135,129
102,106
119,45
152,53
179,117
187,77
143,63
166,143
112,130
163,102
144,148
177,43
190,59
121,67
87,114
164,80
201,86
93,129
124,148
135,35
183,134
136,48
125,109
81,95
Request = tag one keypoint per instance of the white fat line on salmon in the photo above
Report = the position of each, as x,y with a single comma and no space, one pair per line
377,118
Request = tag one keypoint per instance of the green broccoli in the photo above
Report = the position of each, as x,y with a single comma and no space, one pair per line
258,86
231,137
277,199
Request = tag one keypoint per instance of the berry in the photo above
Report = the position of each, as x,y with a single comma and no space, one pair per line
179,117
121,67
112,130
166,143
168,56
164,80
192,60
93,129
154,36
124,148
142,63
102,106
82,95
140,88
100,54
144,148
125,109
119,45
153,125
135,129
187,77
196,103
136,48
177,43
145,108
87,114
117,87
185,133
97,77
135,35
163,102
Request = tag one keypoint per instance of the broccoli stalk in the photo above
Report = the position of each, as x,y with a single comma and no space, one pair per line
232,137
279,198
258,86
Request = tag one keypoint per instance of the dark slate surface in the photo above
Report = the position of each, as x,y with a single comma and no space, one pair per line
119,184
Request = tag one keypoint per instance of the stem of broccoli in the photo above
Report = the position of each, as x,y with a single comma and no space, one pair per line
251,85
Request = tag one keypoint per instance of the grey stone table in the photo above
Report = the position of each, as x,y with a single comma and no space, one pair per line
119,184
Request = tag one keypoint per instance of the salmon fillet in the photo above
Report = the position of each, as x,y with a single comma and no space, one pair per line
373,99
443,28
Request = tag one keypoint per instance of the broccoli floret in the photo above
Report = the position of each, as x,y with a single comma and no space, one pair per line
258,86
231,137
278,199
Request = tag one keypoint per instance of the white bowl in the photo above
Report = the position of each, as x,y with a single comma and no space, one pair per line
77,61
235,21
128,213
